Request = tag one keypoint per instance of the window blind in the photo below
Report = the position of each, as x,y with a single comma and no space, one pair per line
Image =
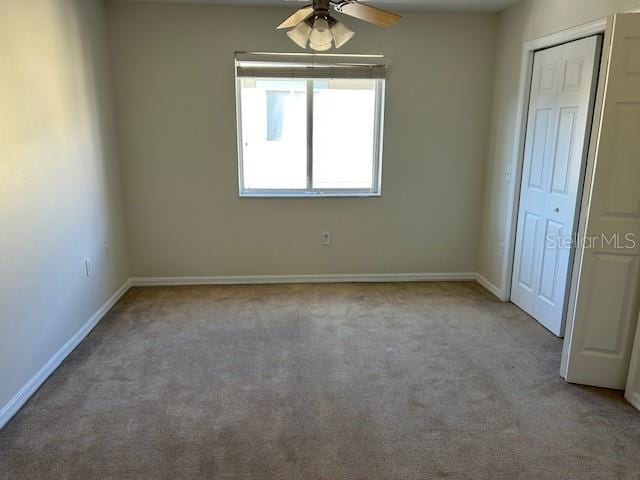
266,65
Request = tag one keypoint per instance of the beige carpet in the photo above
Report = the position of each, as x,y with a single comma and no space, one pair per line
402,381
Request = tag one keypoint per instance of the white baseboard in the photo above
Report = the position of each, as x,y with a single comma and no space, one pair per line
283,279
483,281
20,398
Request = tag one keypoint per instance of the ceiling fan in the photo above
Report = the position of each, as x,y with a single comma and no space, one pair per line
314,26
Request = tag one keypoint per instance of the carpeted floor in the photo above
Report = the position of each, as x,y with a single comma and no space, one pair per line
398,381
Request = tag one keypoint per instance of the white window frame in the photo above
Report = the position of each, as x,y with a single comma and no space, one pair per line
305,66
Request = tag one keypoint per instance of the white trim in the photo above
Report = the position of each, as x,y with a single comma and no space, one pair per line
312,59
289,279
20,398
526,69
568,35
488,285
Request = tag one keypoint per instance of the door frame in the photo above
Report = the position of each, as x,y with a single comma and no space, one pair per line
588,134
603,26
598,27
513,173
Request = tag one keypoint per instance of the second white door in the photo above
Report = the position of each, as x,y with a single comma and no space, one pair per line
559,119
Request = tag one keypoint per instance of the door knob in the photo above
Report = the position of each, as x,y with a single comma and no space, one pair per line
557,209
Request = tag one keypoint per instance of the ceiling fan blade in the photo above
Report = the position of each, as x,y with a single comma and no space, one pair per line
297,18
370,14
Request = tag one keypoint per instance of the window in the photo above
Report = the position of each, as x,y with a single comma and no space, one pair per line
309,129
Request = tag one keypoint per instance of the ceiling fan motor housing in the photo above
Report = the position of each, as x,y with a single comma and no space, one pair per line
321,6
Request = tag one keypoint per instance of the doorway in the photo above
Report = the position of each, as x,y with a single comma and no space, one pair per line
560,112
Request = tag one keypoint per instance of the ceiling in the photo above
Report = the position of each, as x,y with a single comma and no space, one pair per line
469,5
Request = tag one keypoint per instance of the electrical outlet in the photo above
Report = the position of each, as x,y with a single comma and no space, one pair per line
107,250
87,267
501,250
326,238
507,174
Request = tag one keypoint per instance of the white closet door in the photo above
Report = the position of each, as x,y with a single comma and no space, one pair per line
559,119
608,292
632,393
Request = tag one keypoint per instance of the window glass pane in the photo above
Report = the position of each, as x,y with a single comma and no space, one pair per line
275,114
274,133
344,122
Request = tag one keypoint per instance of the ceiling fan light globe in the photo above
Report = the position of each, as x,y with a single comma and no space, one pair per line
300,34
320,47
321,33
341,34
320,25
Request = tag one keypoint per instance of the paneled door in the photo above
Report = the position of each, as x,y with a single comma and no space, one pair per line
598,346
632,393
559,119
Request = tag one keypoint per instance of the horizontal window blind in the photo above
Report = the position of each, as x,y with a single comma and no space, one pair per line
264,65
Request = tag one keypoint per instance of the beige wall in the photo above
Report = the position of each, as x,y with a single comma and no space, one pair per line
60,193
526,21
173,69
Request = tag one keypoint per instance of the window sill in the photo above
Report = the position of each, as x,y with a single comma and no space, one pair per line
263,194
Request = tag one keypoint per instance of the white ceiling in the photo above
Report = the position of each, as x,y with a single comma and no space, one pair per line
473,5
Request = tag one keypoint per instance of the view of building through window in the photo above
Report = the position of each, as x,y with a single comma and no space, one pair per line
310,136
